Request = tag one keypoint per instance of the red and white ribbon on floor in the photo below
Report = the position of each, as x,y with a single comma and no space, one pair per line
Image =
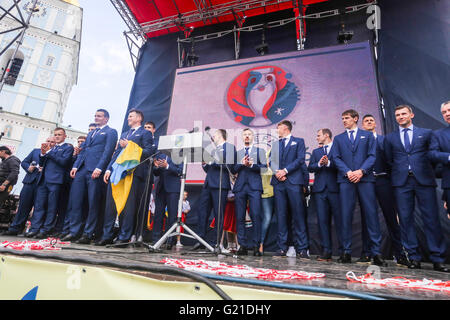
243,271
27,245
402,282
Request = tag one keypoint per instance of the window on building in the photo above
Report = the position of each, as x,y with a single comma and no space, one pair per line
11,77
50,61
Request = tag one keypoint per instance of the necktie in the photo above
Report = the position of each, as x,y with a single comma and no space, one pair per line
246,151
406,139
325,150
95,132
352,137
282,145
131,133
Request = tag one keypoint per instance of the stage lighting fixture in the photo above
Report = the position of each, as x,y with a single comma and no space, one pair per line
263,48
345,36
192,58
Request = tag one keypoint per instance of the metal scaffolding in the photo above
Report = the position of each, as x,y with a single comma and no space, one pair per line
206,12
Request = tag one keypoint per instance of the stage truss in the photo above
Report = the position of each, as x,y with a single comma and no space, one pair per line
138,33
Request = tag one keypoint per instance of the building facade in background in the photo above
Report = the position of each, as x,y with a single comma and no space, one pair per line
33,103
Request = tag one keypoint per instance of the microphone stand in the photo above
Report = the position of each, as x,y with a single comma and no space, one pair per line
219,223
138,233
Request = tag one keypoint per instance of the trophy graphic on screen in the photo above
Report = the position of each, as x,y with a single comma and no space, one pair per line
261,93
262,96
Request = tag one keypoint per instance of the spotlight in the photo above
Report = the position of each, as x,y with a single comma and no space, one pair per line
345,36
191,56
263,48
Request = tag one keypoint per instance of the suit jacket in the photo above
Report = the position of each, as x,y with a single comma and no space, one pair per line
170,178
226,157
96,151
250,175
360,155
324,177
292,159
31,177
417,158
440,152
381,165
142,138
55,164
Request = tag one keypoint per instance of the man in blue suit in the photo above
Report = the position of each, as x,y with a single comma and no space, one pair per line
87,174
28,194
54,162
286,160
354,156
385,196
407,151
167,195
326,193
127,220
248,187
440,152
223,155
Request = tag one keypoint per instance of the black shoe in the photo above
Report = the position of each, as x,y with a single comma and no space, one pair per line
280,253
10,233
30,234
364,260
197,246
84,240
169,246
70,237
242,251
402,261
413,264
324,257
378,261
121,243
303,254
440,267
256,252
103,242
41,235
345,258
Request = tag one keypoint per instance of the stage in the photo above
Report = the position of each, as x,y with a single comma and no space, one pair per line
138,261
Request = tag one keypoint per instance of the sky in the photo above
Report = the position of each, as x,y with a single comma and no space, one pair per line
106,73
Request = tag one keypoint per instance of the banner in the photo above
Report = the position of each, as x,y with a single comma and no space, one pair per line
310,88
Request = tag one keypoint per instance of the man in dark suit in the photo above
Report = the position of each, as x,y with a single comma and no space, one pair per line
55,163
385,196
224,155
286,160
87,174
9,172
248,187
127,220
407,152
440,152
28,193
326,193
354,156
167,195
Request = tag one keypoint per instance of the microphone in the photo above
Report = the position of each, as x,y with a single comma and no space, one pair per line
207,129
194,130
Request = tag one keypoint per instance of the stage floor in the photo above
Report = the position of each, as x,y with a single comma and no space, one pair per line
335,272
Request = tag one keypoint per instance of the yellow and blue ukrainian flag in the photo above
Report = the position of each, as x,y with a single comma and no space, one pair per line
122,174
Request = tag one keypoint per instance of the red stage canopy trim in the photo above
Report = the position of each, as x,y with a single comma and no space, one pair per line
159,17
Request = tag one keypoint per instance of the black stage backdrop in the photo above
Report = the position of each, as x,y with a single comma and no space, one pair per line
413,68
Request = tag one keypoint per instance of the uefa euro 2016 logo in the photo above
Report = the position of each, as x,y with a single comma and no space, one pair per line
262,96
